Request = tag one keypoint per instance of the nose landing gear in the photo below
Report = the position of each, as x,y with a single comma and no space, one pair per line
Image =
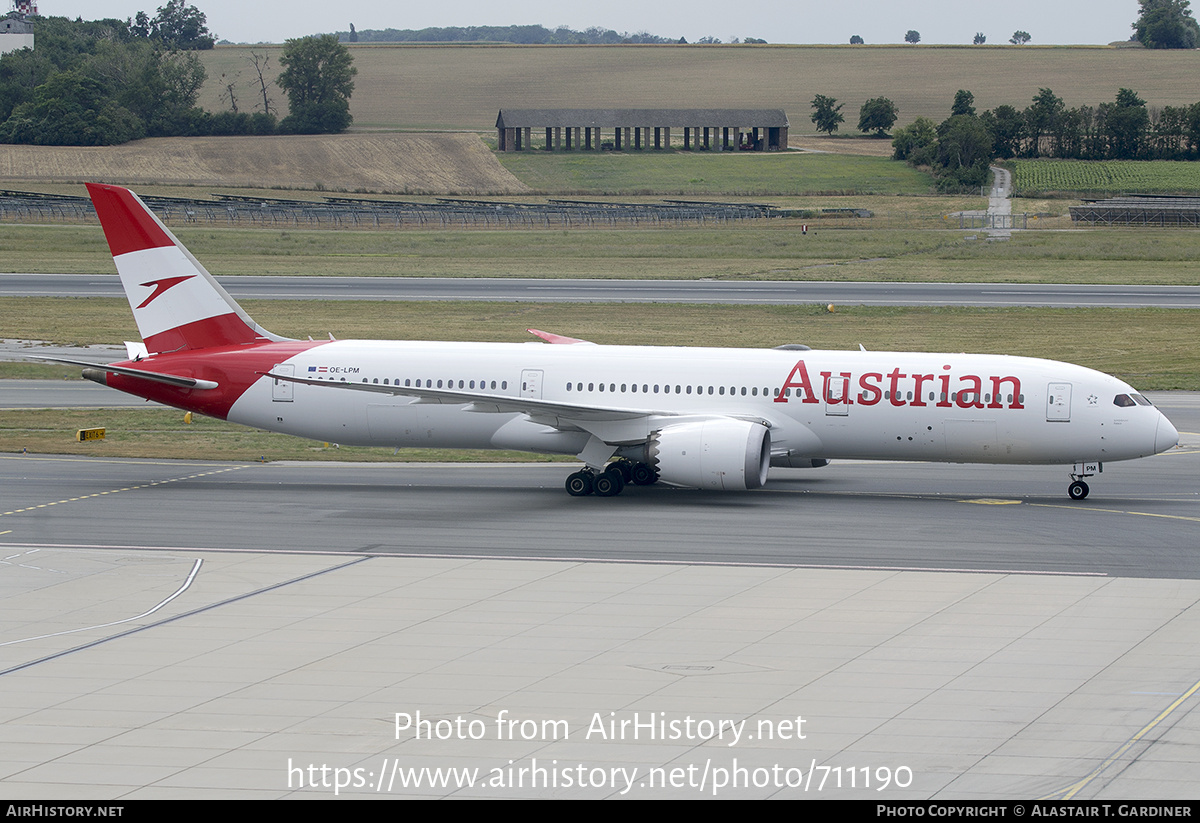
1078,489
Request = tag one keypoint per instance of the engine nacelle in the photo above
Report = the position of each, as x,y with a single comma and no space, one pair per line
719,455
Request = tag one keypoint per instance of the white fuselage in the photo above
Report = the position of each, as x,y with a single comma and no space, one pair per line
835,404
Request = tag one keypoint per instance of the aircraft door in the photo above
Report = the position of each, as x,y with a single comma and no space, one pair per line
281,390
531,383
837,394
1058,402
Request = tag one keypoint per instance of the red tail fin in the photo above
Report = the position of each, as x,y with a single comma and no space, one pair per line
176,303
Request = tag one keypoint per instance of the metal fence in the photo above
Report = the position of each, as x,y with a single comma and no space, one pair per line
979,220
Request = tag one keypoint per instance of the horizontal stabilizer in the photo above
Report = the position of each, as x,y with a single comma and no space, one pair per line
157,377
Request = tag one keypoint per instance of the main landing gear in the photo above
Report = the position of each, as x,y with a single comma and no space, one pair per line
1078,489
612,481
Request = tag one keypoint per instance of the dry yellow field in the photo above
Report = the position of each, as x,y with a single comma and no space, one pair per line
408,163
463,87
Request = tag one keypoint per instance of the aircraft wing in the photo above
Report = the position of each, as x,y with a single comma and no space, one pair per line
158,377
612,424
551,337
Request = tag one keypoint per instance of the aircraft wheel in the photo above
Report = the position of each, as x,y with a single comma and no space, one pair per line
1078,490
622,468
609,484
643,475
580,484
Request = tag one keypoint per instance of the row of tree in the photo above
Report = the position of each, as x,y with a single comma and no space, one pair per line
960,147
523,35
105,82
912,36
876,115
1161,24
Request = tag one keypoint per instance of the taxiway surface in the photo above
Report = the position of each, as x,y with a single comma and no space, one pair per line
184,629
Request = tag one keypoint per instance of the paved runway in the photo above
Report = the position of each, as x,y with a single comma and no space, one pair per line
637,291
184,629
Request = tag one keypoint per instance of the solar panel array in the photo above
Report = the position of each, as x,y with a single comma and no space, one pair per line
1139,210
346,212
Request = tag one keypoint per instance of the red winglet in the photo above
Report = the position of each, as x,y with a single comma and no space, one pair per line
128,226
551,337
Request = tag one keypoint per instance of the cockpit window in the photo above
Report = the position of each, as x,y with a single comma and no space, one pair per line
1123,400
1141,401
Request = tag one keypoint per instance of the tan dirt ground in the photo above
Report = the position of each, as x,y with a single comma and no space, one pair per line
400,163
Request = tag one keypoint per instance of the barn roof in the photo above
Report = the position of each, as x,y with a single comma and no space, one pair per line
609,118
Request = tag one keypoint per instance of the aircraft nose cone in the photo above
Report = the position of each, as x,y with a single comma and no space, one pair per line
1167,436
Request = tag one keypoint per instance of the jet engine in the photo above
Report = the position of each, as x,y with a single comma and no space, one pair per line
721,454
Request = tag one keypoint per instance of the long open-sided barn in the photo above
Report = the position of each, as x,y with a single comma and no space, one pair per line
640,129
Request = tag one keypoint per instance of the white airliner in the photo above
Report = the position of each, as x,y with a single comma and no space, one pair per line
703,418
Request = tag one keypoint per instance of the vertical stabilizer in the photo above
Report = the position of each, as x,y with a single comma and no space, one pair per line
176,303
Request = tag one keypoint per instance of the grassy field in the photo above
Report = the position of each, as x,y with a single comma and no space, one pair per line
1072,178
463,87
708,174
163,432
447,164
1151,348
770,250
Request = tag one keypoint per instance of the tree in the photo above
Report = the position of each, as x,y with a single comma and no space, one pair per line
915,142
177,26
877,115
856,40
912,36
1020,38
964,103
1042,118
1166,24
825,114
318,77
262,64
980,38
72,108
1007,128
1126,125
964,148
